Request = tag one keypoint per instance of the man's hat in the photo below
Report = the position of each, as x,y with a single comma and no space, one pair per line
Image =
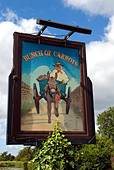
57,64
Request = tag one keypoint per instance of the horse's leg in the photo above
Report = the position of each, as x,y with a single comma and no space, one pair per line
49,111
56,108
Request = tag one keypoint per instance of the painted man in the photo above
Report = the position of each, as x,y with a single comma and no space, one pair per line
61,75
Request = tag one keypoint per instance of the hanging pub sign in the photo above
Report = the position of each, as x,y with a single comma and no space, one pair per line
49,84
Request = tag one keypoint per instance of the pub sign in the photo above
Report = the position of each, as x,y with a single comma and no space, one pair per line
49,84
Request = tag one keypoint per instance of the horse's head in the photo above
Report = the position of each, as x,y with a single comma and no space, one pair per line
52,84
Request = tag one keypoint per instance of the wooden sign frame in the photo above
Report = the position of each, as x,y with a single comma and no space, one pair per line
15,135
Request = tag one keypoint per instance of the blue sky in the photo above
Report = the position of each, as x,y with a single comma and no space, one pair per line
97,15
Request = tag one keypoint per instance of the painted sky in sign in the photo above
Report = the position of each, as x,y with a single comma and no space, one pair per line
29,66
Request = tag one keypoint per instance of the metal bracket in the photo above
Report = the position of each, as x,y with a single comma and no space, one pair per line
38,39
40,32
68,35
71,28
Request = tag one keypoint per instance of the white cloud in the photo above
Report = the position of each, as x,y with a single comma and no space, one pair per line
9,15
93,7
3,105
7,28
28,26
9,23
13,149
3,137
100,61
1,129
110,30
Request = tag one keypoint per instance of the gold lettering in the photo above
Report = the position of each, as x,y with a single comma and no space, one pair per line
58,55
34,54
66,57
54,54
75,64
26,58
31,55
62,56
70,60
47,53
40,54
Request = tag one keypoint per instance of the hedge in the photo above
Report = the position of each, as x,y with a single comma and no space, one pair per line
16,164
20,164
7,163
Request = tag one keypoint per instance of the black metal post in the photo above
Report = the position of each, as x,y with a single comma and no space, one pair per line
42,30
68,35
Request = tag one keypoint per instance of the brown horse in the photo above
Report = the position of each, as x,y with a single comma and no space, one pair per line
52,95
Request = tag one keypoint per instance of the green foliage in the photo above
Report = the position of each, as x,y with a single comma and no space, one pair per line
24,154
16,164
56,153
7,163
6,157
21,165
31,165
95,156
105,121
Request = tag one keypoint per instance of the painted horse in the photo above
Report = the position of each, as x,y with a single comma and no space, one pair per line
52,95
52,92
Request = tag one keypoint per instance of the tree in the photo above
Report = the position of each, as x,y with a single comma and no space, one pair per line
11,157
6,157
105,120
94,156
24,154
3,156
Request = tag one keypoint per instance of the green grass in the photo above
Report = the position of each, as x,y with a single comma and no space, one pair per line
7,163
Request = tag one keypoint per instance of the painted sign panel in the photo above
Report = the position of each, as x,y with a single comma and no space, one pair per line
49,84
54,73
